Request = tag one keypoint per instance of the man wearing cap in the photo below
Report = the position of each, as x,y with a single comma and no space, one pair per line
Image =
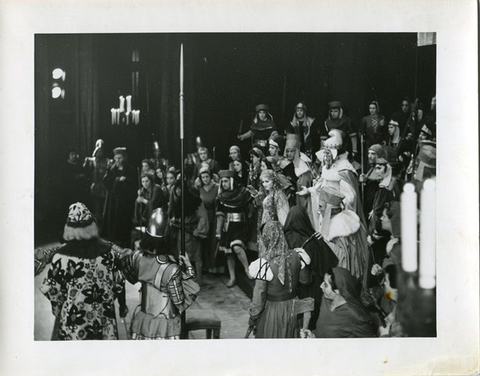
232,227
389,190
342,231
426,164
261,129
338,120
121,183
371,179
302,169
305,128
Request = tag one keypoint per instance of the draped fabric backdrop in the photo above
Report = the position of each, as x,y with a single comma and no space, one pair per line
226,76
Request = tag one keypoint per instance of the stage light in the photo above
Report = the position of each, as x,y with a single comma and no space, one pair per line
56,92
58,73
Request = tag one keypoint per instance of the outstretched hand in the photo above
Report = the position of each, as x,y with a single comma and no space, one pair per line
303,192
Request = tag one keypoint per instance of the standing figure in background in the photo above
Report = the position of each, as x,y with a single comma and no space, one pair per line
303,173
338,120
98,165
204,157
148,166
83,280
157,159
263,127
304,127
235,154
232,228
371,179
150,197
255,212
196,224
208,193
72,185
403,116
241,168
121,183
373,126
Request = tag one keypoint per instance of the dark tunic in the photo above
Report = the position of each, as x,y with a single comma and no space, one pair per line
120,203
236,201
273,303
262,130
298,230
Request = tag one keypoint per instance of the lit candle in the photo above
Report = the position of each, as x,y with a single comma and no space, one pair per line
129,103
122,103
427,235
409,228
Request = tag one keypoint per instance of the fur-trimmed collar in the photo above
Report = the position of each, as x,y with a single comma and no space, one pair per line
343,224
87,249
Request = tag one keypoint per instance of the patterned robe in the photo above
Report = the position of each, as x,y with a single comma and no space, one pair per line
82,290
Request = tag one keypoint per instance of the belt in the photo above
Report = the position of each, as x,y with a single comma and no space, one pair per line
261,143
281,298
235,217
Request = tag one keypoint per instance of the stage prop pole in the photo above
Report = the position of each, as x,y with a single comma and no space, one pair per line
182,176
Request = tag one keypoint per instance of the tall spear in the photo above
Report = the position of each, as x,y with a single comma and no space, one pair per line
182,176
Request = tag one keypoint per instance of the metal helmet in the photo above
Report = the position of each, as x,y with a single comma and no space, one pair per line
158,226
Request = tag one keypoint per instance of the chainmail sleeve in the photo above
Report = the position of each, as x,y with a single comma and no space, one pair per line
43,257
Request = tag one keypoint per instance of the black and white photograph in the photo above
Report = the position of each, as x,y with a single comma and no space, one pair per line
303,154
252,194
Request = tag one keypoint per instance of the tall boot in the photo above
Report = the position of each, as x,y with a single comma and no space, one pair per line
242,256
231,269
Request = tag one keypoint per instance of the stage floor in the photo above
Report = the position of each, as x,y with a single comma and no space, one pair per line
230,305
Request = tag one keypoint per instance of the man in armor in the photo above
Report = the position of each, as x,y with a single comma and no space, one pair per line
263,127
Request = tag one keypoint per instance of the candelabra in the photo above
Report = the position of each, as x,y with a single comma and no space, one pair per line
125,114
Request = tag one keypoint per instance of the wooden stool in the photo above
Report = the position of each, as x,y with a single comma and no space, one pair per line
198,319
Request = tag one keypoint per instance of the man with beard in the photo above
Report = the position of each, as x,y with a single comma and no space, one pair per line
305,128
282,165
303,172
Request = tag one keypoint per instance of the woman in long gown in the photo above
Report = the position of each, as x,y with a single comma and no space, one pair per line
275,204
299,234
278,274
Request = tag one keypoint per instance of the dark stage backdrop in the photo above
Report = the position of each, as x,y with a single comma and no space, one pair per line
226,75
